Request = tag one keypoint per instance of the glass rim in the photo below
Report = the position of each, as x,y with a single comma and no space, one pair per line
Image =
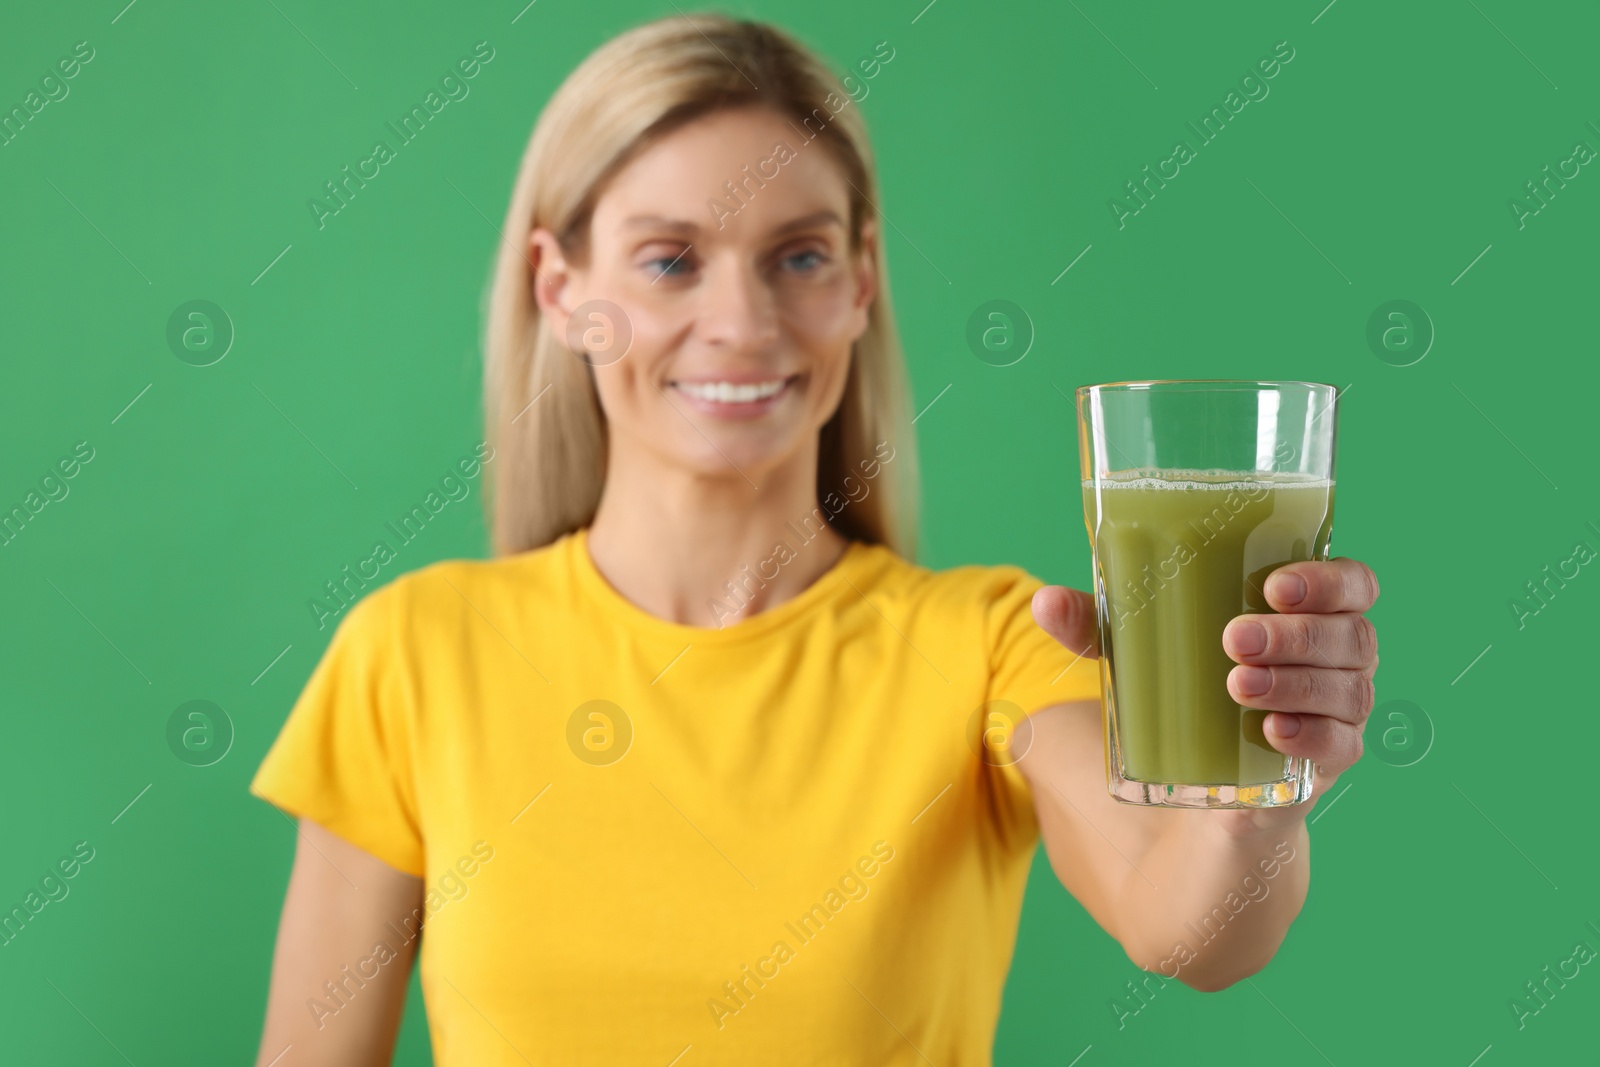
1131,386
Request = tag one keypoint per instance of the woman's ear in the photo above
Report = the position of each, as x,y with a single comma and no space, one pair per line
552,277
866,272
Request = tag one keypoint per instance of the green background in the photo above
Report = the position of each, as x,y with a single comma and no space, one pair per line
1379,168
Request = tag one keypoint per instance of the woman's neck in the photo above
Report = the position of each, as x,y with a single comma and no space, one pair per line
704,550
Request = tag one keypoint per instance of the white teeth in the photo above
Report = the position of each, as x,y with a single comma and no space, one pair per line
728,393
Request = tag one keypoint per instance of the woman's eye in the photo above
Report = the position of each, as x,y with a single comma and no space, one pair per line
672,266
806,261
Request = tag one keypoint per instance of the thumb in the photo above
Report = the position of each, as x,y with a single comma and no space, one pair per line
1068,616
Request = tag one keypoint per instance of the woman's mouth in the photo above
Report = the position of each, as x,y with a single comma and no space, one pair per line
729,399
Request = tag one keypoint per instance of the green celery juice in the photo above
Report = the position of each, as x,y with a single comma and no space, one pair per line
1180,553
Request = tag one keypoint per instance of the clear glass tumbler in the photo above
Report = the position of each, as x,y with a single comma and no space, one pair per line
1193,492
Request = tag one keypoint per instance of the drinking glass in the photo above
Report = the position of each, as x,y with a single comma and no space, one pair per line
1193,492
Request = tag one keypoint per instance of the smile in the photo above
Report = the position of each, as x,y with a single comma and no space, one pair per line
718,392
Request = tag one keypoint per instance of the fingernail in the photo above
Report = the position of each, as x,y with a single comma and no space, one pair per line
1288,589
1249,638
1285,725
1253,681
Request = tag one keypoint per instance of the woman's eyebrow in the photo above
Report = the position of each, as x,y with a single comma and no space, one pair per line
806,222
660,222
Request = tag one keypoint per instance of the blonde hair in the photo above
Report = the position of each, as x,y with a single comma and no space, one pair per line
541,412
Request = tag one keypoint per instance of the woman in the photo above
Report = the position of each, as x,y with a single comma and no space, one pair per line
700,769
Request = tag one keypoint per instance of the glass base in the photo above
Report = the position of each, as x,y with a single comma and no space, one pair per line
1293,789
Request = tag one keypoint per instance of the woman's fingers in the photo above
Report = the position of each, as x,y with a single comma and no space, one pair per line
1322,586
1347,695
1344,639
1068,616
1333,745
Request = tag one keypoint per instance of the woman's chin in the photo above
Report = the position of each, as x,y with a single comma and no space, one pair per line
745,456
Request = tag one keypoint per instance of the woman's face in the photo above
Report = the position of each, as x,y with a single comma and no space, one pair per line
742,315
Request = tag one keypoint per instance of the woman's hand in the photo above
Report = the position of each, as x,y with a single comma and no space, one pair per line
1311,666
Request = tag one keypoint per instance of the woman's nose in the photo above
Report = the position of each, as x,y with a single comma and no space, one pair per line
738,310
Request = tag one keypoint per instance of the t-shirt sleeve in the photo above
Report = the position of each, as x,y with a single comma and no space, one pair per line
1027,666
343,759
1028,671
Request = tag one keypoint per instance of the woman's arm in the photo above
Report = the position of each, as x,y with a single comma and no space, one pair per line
1207,896
1157,878
334,999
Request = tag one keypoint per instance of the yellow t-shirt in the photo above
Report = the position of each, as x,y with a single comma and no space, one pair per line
781,841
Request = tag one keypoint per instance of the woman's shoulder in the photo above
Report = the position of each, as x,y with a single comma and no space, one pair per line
448,587
963,584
